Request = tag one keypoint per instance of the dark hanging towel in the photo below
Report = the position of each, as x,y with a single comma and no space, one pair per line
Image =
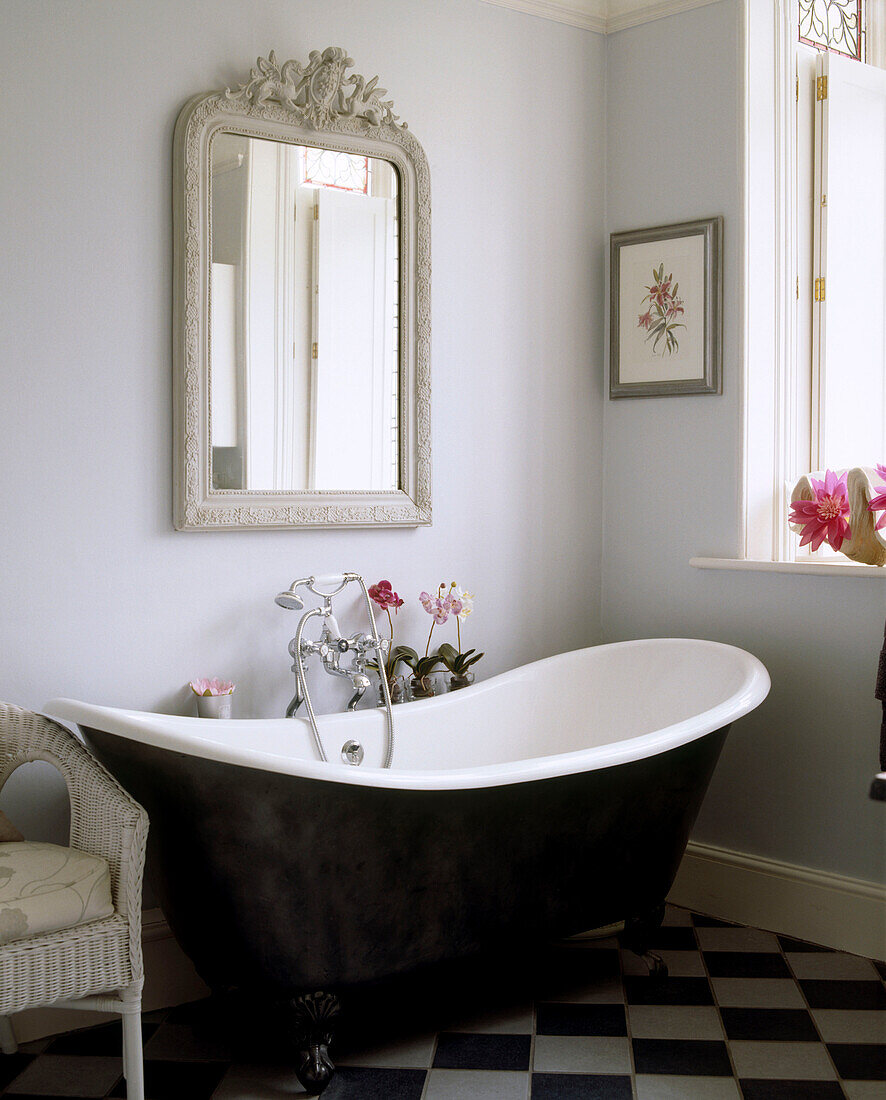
880,693
878,787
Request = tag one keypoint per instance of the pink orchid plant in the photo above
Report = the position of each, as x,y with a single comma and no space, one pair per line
212,687
878,502
384,596
823,519
441,606
454,602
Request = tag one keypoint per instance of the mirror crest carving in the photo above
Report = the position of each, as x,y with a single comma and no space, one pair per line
298,109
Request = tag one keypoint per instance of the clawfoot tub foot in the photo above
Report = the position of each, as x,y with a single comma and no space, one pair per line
637,937
315,1015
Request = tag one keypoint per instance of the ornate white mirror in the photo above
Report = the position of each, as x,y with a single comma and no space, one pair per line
302,304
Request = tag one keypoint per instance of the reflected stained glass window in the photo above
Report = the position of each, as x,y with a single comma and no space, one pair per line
834,25
344,171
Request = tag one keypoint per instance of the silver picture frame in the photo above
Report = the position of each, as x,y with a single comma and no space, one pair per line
675,347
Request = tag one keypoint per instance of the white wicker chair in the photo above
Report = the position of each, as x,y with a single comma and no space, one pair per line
96,966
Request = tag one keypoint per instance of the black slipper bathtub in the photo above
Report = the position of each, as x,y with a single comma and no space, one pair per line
552,799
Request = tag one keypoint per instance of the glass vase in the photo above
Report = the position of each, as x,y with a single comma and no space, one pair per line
399,688
428,686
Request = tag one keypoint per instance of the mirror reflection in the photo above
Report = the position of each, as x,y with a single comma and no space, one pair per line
304,358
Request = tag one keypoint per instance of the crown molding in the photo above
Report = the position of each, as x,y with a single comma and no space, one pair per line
601,16
622,14
590,15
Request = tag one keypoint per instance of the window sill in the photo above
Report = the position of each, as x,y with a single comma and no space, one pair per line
812,569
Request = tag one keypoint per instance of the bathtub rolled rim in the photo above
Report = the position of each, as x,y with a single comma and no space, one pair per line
187,735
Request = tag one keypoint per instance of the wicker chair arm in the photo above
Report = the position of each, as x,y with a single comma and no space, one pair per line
105,820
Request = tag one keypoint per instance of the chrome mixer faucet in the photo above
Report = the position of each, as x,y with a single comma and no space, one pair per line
331,646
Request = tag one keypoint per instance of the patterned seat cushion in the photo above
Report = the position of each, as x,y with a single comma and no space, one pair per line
44,888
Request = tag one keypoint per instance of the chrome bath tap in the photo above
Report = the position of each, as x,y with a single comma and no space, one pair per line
330,647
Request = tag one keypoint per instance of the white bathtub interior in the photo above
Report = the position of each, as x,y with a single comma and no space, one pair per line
585,709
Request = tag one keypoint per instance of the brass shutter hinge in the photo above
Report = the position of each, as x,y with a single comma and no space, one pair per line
316,211
313,351
821,87
819,290
798,89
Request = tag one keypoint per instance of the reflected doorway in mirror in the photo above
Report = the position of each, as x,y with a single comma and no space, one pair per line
304,367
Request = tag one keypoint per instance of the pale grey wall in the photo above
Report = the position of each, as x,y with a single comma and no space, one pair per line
101,599
792,783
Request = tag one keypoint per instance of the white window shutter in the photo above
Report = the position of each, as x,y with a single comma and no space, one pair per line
849,268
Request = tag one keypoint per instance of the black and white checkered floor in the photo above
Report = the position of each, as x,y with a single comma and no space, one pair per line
744,1013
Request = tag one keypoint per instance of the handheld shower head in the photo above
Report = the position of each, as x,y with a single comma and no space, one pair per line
289,600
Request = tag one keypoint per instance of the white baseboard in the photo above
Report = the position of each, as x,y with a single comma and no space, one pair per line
843,913
170,979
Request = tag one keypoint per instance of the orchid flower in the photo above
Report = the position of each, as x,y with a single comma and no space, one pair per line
211,687
878,502
439,607
466,599
385,597
823,519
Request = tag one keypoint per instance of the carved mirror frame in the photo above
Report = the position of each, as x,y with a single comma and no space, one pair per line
317,104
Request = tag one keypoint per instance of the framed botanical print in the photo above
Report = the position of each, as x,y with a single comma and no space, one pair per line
666,316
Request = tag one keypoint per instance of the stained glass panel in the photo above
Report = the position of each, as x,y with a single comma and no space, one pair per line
344,171
834,25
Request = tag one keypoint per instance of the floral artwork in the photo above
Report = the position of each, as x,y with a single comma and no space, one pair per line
666,317
660,320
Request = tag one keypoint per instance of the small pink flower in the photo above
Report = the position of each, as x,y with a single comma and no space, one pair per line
824,518
442,609
878,502
211,687
438,607
384,595
645,319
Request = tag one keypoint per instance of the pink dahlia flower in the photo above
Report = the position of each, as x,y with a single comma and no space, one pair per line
824,518
878,502
384,595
